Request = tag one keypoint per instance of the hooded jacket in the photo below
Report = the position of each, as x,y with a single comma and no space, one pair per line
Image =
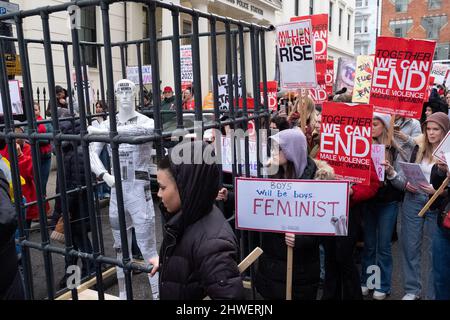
199,253
271,273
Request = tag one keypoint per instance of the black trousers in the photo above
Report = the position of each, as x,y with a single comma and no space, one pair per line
342,278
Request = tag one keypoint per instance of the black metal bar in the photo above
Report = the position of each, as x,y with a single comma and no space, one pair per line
100,72
85,82
115,146
196,65
123,62
68,77
141,85
15,175
155,77
177,67
86,160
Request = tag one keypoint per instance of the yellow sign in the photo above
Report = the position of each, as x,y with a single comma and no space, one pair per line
12,62
363,79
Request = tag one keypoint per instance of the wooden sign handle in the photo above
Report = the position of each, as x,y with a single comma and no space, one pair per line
434,197
290,254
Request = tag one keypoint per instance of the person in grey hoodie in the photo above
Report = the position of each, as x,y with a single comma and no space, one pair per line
405,130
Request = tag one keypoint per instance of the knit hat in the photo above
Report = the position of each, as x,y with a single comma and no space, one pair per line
441,119
385,118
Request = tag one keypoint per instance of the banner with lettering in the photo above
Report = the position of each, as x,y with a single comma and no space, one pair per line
319,94
272,87
187,76
329,77
400,75
439,72
345,75
346,140
310,207
363,79
295,49
224,98
320,32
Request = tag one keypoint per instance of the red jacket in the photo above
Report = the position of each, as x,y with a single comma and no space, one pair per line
363,193
44,147
26,172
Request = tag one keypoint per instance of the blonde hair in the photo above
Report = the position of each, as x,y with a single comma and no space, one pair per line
310,112
324,171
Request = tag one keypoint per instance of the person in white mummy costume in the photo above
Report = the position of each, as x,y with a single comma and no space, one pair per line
135,162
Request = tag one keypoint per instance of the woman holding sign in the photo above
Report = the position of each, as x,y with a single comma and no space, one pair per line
380,216
415,229
294,163
199,251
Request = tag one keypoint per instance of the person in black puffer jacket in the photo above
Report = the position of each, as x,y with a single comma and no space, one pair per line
271,274
77,202
199,253
11,287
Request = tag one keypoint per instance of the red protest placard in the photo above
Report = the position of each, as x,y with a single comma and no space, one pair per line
319,95
271,94
320,33
400,75
346,140
329,77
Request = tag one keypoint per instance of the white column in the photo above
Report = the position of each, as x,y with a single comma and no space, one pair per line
165,55
203,26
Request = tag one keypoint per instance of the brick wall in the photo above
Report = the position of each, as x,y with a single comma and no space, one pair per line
416,10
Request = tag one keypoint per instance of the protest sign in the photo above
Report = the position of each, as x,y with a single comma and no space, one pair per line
345,76
297,206
414,174
378,156
442,148
187,76
320,32
224,97
295,49
227,155
400,75
439,72
346,139
133,74
363,79
329,77
319,94
16,100
271,94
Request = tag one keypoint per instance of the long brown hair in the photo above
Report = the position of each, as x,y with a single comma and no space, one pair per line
425,147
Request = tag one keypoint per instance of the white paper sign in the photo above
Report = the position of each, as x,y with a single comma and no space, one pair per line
378,156
224,98
133,74
442,148
227,158
439,72
414,174
187,75
298,206
295,48
16,101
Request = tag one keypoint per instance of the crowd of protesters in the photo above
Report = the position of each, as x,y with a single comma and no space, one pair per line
204,245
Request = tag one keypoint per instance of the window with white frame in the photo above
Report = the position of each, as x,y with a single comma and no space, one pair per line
401,5
358,25
434,4
442,51
433,25
400,28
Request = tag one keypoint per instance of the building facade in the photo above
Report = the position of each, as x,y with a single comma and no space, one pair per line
367,25
420,19
129,21
341,22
